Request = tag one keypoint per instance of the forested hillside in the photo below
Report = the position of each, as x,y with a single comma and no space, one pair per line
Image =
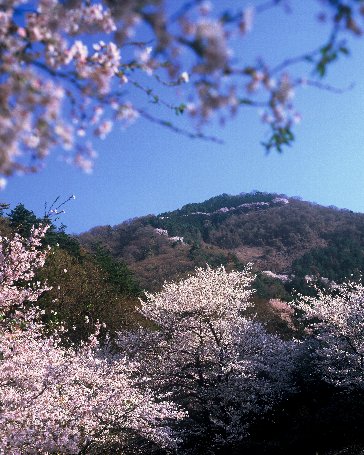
284,235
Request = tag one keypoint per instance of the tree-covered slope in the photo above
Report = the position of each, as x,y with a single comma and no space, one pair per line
277,233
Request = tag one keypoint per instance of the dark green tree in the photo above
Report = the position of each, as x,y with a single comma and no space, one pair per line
22,220
118,273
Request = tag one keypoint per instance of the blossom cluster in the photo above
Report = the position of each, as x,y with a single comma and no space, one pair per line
19,260
43,65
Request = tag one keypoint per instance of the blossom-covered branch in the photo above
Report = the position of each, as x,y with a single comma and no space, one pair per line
69,70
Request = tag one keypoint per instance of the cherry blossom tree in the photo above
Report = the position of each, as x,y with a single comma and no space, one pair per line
336,319
56,399
222,366
71,68
19,260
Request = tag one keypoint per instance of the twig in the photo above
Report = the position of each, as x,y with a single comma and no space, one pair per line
327,87
178,130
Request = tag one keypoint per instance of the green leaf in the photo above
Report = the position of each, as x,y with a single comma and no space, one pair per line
344,50
245,101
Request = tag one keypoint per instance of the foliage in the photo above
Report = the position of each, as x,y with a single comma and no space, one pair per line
266,287
224,200
343,258
119,276
22,220
81,294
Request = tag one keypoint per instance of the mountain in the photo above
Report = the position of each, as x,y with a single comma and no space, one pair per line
286,237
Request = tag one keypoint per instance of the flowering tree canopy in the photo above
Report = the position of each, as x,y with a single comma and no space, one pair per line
54,399
57,399
19,260
71,68
220,365
337,319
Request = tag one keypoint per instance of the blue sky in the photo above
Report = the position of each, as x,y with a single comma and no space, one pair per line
147,169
